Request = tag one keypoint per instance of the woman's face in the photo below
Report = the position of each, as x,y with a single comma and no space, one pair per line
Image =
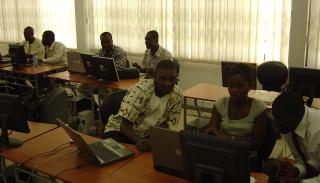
238,87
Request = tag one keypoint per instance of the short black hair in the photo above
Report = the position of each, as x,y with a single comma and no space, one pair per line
105,34
49,34
290,103
154,34
244,70
167,64
29,28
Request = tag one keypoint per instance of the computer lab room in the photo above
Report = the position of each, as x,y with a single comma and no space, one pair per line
160,91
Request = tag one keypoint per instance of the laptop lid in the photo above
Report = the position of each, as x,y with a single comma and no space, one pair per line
106,69
88,65
74,62
109,144
166,156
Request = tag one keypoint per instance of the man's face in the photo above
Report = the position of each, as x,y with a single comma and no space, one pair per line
285,122
106,42
165,79
46,40
150,42
28,35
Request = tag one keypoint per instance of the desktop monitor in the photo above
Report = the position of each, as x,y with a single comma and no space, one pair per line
17,54
105,68
305,82
211,159
12,117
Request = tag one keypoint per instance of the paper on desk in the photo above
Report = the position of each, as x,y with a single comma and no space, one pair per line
265,96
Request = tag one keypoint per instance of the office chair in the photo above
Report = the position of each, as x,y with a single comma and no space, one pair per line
55,106
225,68
272,75
270,138
110,105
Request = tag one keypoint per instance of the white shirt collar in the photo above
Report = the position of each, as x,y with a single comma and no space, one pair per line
304,123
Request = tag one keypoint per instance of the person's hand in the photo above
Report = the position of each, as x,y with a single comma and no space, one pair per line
287,172
28,55
212,131
144,145
136,65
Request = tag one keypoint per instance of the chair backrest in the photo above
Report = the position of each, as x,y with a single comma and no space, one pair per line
272,75
226,66
110,105
55,106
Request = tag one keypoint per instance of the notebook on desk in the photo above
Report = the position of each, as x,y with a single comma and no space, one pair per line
166,151
102,152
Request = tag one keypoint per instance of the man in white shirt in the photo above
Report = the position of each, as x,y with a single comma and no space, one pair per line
153,54
55,52
32,45
301,128
151,102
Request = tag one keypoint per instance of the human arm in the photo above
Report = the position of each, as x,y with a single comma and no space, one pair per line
259,130
214,125
126,128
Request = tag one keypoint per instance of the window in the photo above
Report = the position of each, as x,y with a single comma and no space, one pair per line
196,30
57,15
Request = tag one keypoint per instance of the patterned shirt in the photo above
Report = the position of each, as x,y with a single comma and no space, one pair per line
56,54
118,54
136,107
151,61
35,48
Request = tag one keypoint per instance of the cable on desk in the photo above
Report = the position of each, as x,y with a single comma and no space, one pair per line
50,158
54,151
68,169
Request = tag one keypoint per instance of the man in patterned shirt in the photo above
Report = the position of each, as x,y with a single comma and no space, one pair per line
110,50
152,102
153,54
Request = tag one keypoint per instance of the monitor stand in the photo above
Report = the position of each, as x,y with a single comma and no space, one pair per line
5,140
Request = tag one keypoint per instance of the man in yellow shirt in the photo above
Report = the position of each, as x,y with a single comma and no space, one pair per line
32,45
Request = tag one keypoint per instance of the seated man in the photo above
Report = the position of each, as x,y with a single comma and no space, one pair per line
32,45
55,52
110,50
152,102
153,54
301,128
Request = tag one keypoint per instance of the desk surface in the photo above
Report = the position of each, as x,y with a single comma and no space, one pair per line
80,78
36,129
29,70
5,64
62,162
132,173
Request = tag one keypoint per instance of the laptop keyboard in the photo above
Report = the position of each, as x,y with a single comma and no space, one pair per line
102,152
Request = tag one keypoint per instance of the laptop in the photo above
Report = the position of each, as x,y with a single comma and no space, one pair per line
166,156
105,68
75,62
88,64
103,152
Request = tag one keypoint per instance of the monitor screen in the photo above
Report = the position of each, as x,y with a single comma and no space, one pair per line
305,82
12,117
106,69
210,159
17,54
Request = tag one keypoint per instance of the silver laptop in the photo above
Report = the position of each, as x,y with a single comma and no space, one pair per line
166,151
103,152
74,62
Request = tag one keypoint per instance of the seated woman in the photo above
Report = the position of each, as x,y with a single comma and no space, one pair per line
239,117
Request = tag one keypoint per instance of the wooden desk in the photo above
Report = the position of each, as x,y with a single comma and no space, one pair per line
69,157
5,64
141,170
35,73
36,129
84,79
